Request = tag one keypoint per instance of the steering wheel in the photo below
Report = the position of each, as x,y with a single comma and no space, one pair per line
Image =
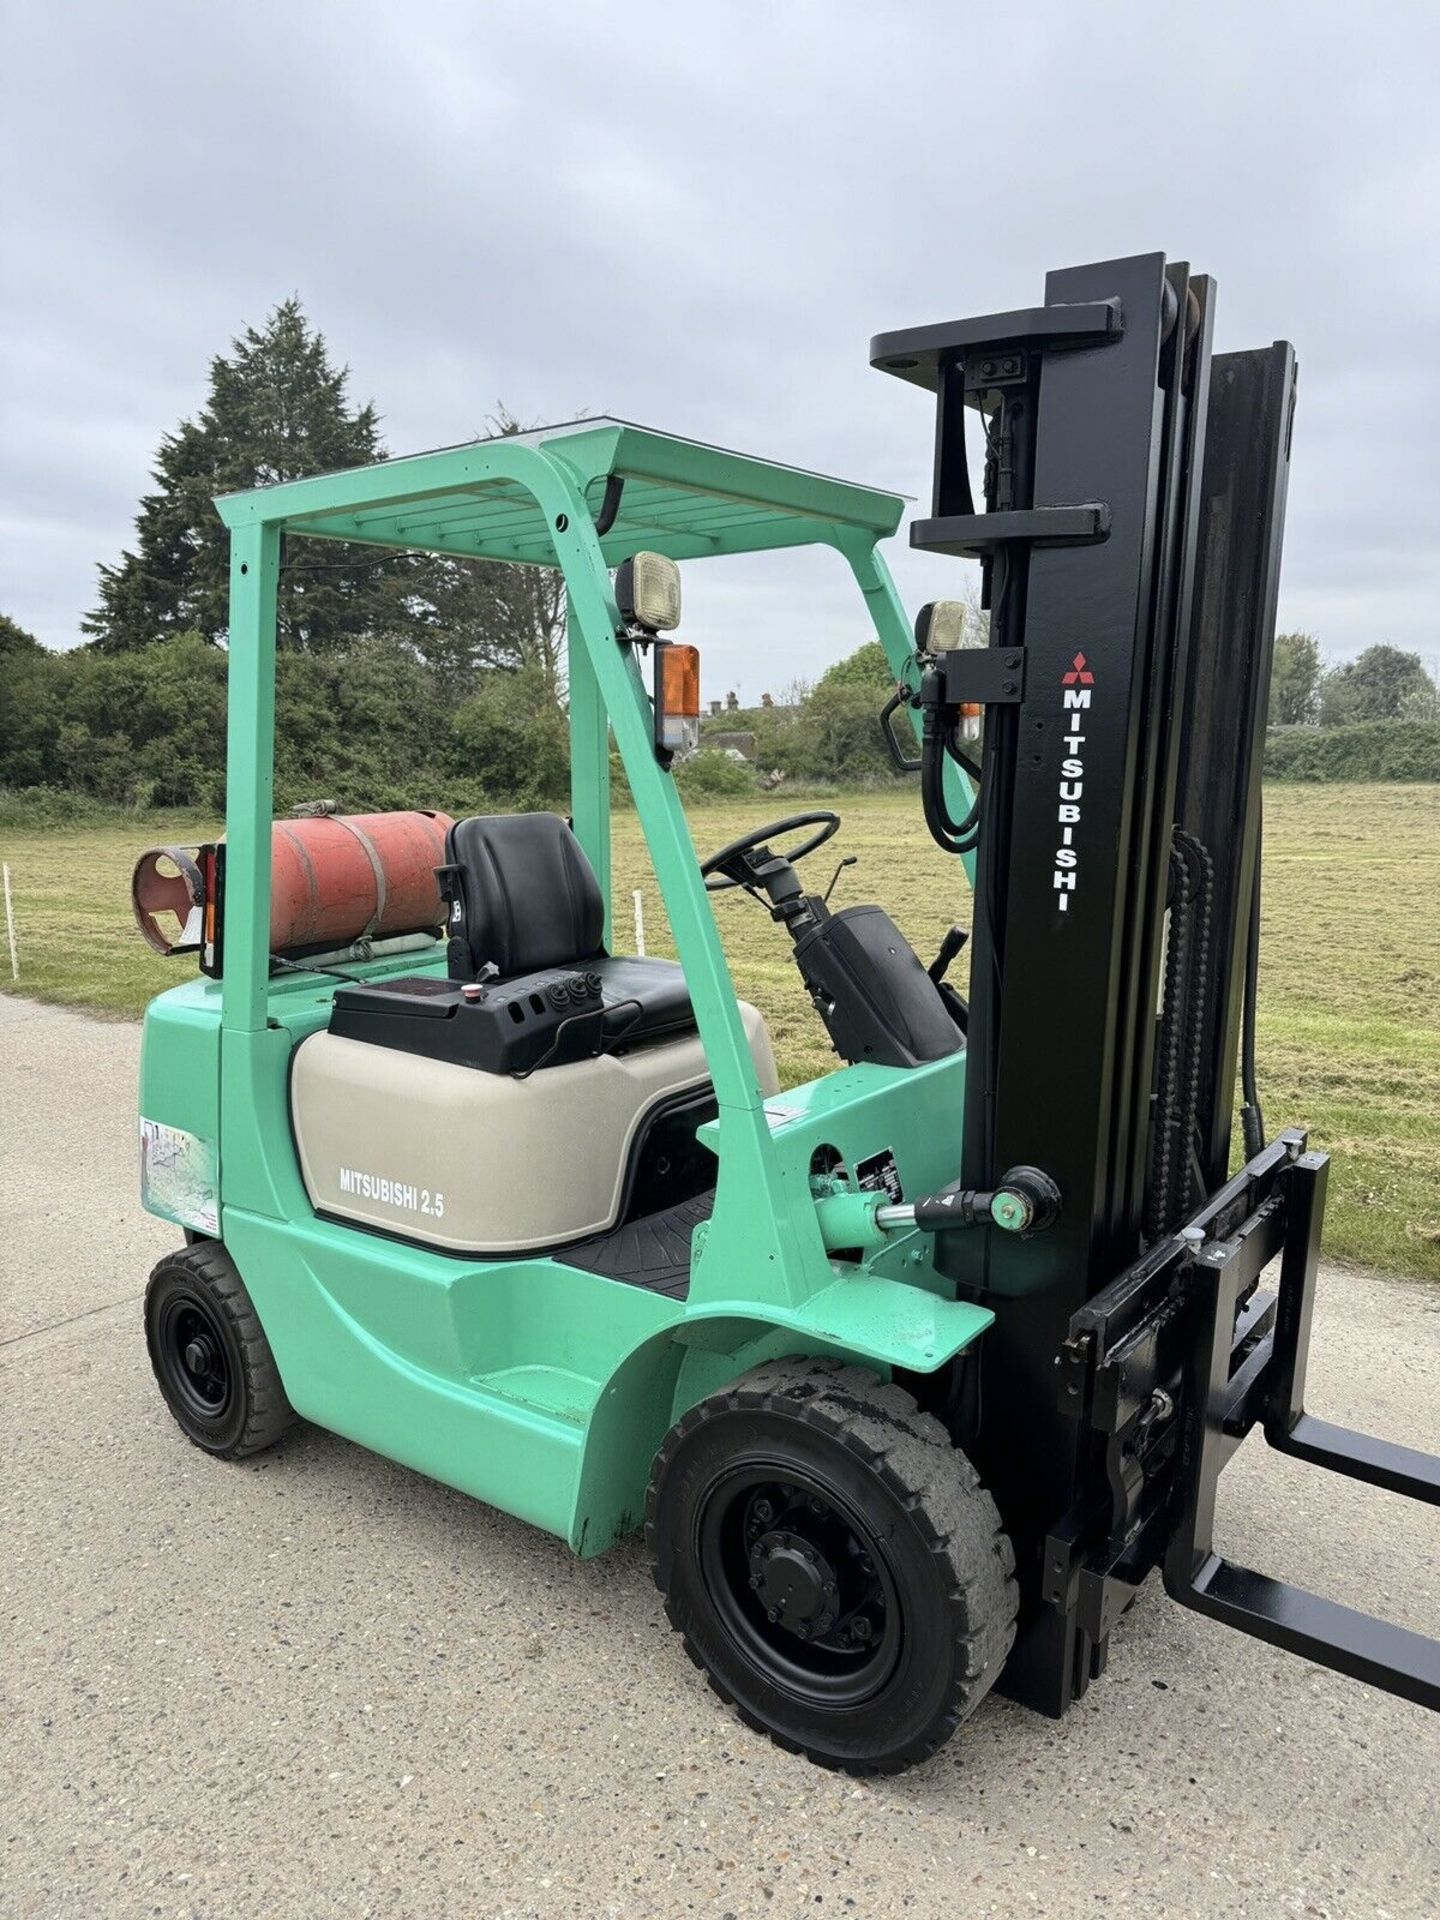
729,868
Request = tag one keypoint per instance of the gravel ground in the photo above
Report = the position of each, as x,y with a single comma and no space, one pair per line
319,1685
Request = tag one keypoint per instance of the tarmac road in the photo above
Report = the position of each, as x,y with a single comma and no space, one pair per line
318,1685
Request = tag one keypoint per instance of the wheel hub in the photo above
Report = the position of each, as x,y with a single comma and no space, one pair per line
795,1583
799,1583
199,1356
193,1353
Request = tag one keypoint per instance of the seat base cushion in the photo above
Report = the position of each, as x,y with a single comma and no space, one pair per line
658,986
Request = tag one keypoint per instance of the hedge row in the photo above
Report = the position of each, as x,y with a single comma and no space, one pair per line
1368,750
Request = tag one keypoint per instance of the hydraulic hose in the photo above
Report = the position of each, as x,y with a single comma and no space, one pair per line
940,739
948,833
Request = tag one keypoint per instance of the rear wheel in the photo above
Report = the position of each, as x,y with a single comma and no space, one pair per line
210,1356
832,1563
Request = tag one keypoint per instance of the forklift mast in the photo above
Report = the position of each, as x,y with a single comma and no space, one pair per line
1112,448
1127,515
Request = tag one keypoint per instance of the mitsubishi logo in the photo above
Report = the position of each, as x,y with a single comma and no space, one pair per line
1074,710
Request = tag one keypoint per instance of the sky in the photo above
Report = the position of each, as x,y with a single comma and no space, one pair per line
696,218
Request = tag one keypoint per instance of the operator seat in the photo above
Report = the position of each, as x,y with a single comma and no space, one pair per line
524,899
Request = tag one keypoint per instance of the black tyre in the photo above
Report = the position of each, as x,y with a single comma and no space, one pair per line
210,1355
833,1564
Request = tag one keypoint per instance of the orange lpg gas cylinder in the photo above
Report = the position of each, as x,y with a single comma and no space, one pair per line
340,877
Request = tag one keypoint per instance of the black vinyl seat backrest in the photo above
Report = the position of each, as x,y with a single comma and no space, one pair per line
529,896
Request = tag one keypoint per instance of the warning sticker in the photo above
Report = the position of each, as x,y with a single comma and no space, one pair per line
179,1178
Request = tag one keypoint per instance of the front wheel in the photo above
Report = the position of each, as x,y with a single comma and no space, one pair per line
833,1564
210,1356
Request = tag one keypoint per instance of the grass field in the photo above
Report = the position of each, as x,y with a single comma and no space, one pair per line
1349,996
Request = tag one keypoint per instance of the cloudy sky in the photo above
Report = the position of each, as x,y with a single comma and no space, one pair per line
696,217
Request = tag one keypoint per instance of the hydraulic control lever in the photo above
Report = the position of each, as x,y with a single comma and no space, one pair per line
950,948
850,860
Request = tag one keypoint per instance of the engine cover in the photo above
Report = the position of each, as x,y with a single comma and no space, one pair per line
483,1163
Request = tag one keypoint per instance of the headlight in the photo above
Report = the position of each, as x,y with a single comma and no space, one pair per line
647,591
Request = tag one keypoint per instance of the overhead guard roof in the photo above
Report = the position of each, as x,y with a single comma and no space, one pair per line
680,497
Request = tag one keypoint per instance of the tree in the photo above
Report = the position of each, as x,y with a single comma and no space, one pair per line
977,618
1381,684
486,614
866,667
14,640
29,674
1295,678
278,409
838,735
481,616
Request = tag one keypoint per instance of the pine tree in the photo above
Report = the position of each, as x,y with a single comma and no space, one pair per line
278,409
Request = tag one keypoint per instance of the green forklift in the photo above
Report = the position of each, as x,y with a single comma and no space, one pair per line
914,1372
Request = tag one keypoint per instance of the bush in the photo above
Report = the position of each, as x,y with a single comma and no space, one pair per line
370,727
708,775
30,681
513,742
1369,750
376,727
367,728
144,729
28,809
839,738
